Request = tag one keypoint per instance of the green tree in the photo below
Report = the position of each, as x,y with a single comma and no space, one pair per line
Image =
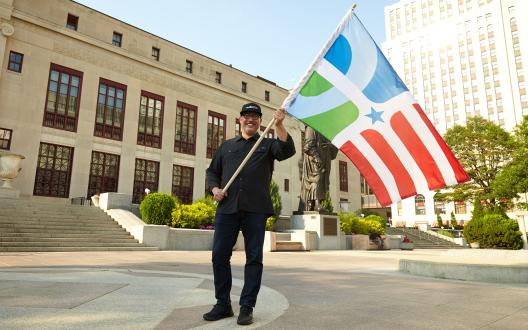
513,180
483,149
277,205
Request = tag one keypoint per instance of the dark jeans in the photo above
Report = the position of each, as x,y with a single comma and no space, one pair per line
227,226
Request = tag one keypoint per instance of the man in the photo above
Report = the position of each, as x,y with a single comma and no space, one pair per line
245,206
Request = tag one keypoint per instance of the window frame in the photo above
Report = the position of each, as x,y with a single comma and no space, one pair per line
191,146
72,22
53,172
244,87
115,42
47,115
116,85
343,176
210,151
218,77
144,183
419,209
142,142
3,132
184,194
14,63
104,177
188,66
267,95
155,53
286,185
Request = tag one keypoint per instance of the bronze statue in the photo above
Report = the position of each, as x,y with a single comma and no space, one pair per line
318,153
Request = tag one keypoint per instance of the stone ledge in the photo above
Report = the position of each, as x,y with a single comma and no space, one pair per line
466,271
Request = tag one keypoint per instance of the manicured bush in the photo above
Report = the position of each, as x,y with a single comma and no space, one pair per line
353,224
494,231
439,221
198,215
500,232
277,205
156,208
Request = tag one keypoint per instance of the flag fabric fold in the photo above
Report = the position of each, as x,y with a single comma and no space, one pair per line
353,97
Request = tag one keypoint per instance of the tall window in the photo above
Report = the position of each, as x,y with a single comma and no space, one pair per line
155,53
5,138
104,173
215,132
244,87
343,176
419,204
110,114
116,39
266,95
15,61
439,206
189,66
72,22
62,101
146,175
238,131
53,170
286,184
185,136
218,77
150,120
182,183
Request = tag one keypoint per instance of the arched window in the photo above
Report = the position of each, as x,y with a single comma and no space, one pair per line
419,205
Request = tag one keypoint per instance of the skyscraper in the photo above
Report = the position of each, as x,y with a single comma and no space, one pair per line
460,58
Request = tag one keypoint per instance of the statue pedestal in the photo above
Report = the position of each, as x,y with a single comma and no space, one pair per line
9,193
329,236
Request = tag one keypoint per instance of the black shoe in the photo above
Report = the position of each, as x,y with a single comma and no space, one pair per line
245,317
219,312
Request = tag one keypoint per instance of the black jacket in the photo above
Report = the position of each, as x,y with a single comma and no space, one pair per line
250,191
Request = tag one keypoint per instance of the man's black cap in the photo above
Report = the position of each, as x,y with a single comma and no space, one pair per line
251,107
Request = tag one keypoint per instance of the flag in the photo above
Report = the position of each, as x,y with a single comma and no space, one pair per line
353,97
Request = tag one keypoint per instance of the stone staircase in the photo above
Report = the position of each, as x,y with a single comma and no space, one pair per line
284,243
45,225
422,239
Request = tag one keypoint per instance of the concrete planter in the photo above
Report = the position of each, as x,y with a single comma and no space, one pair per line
95,200
406,246
474,245
9,167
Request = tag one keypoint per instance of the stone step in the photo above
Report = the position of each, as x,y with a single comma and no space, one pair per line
66,244
21,226
60,230
289,246
22,222
74,249
109,234
126,239
39,215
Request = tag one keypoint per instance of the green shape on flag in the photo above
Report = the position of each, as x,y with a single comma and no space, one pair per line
331,122
315,85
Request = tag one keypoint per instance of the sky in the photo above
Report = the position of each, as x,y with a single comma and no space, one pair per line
274,39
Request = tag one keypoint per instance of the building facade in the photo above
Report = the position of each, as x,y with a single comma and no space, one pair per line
459,58
97,105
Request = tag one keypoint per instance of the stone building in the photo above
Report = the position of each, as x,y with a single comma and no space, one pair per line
97,105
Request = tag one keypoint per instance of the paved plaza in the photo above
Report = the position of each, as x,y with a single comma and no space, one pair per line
303,290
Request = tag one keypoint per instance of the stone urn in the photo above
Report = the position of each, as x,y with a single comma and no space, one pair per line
9,167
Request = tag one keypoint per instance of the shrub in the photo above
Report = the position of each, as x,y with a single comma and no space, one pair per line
156,208
353,224
277,205
197,215
446,233
494,231
439,221
378,219
326,204
500,232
